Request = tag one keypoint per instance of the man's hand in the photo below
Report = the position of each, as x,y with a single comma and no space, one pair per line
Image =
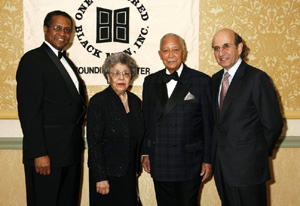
206,171
146,163
42,165
102,187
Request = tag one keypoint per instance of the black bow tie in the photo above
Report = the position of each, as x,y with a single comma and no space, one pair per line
167,77
62,54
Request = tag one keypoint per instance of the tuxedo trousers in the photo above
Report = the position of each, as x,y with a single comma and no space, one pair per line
238,195
181,193
60,188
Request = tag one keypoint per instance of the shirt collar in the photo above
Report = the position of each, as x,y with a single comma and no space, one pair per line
233,69
178,71
52,48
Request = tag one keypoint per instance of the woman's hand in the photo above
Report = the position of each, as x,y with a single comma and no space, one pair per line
102,187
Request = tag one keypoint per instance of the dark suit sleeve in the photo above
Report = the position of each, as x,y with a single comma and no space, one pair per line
145,111
266,102
139,127
207,122
30,92
95,129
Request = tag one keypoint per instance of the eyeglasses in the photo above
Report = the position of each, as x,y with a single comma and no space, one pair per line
117,74
58,28
225,47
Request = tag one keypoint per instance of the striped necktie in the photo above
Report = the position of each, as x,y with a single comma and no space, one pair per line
225,86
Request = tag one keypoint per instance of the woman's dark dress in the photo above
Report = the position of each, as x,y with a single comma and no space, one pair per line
122,188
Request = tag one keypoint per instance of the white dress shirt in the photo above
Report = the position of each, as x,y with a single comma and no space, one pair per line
67,67
172,84
231,72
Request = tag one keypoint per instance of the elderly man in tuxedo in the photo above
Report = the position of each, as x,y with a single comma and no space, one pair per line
51,105
247,124
178,120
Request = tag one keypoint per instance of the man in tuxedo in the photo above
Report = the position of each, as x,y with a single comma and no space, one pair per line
51,105
247,124
178,120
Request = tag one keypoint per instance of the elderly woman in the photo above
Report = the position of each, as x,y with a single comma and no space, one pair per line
114,135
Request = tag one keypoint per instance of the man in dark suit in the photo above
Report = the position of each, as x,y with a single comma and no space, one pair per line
178,120
51,105
247,124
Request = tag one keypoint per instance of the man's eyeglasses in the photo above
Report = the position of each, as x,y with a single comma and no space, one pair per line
225,47
58,28
118,74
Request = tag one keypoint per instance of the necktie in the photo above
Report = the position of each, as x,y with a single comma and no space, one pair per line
225,86
62,54
168,77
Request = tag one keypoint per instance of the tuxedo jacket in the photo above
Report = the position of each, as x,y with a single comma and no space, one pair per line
51,110
179,128
247,128
108,134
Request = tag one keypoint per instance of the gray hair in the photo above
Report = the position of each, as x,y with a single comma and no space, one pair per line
182,42
116,58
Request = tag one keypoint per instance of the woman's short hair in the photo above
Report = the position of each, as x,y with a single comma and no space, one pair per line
122,58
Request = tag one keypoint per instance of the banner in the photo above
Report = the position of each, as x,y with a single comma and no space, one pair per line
103,27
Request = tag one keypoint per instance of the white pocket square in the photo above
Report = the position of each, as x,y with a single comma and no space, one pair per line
189,96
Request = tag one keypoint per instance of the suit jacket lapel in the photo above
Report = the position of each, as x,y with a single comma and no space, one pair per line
234,86
179,92
161,92
82,91
216,94
64,73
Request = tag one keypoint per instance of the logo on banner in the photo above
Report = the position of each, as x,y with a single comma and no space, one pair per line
111,31
119,29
